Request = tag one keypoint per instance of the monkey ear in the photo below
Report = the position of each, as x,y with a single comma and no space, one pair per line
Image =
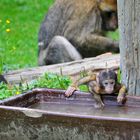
114,70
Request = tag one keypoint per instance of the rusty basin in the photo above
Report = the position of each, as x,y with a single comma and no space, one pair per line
46,114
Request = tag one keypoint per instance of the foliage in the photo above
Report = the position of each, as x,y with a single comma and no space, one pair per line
113,35
49,80
19,25
7,90
119,76
1,65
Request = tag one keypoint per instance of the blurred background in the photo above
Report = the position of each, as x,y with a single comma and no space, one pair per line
19,25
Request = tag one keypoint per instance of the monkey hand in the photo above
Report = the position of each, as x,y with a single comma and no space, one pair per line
70,91
99,105
121,98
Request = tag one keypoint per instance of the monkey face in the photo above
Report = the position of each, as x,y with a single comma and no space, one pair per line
109,21
107,80
108,86
109,14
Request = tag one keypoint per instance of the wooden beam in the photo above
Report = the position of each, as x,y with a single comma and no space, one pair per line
70,68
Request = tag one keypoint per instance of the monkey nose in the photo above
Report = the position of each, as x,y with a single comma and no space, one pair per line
109,91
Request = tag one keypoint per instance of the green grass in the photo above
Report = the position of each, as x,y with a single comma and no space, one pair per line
47,81
113,35
18,47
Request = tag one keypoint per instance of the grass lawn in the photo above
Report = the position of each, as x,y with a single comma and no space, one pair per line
19,25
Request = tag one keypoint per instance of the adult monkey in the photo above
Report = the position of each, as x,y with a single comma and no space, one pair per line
74,29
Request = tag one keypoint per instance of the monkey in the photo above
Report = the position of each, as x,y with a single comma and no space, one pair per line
103,83
75,29
2,79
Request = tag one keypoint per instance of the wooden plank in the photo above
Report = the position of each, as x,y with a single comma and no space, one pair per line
70,68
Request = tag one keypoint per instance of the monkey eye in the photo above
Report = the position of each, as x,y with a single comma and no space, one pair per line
106,83
112,83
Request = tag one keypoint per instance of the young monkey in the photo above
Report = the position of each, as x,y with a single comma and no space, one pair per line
104,83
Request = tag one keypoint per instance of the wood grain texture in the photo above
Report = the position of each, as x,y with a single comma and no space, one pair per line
129,27
73,68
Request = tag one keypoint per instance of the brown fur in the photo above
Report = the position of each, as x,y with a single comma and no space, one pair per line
80,22
97,90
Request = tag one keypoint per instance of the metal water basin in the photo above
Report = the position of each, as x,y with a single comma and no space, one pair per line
46,114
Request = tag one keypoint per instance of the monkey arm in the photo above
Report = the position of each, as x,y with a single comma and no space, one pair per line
98,101
74,85
85,80
122,94
103,43
122,89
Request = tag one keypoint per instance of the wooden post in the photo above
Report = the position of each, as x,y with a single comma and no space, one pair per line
129,28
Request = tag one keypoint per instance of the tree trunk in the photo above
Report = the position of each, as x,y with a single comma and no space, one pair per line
129,27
